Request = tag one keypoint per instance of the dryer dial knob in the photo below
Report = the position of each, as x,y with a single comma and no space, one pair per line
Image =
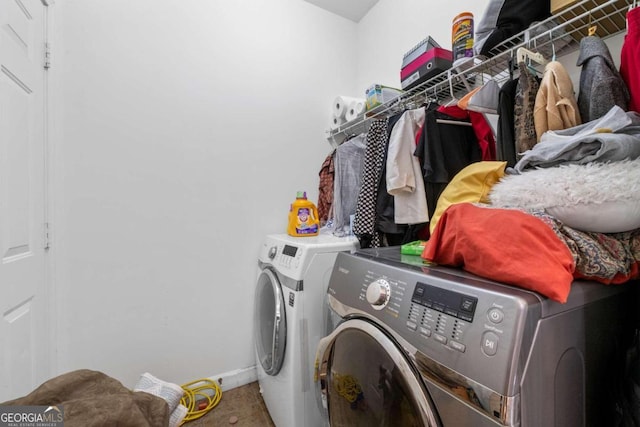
273,250
378,294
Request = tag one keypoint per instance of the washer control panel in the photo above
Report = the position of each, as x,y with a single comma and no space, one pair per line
445,301
286,257
471,326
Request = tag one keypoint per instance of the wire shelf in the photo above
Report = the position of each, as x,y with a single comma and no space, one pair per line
556,36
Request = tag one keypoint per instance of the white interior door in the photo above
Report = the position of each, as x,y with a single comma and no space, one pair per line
23,317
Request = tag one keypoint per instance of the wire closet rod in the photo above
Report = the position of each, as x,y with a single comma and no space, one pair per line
568,25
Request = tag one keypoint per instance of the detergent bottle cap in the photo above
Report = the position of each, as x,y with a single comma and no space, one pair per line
301,195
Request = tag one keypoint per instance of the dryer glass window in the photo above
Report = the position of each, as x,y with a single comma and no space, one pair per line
366,387
270,323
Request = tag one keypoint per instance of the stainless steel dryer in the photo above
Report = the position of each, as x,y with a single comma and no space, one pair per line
420,345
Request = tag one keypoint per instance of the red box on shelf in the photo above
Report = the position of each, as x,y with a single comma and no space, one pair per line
425,66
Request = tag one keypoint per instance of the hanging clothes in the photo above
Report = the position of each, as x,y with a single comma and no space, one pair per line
630,58
364,224
325,189
506,147
392,234
444,150
524,126
482,129
404,174
349,161
555,106
601,85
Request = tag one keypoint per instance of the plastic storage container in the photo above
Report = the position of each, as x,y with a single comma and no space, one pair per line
303,217
462,36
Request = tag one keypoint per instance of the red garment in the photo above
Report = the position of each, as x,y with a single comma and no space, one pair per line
482,129
543,262
325,189
630,58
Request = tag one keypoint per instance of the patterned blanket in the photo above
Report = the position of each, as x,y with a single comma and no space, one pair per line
606,258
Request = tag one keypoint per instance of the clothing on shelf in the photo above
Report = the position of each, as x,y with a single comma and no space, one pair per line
505,18
587,143
325,189
349,160
524,126
630,58
555,105
601,85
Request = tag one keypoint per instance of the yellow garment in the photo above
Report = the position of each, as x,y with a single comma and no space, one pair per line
555,107
471,185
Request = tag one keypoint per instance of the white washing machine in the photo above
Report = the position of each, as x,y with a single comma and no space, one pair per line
290,318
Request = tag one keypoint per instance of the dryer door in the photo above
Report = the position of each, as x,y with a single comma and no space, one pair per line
364,379
270,322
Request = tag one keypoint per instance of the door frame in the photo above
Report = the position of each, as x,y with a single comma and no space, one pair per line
49,289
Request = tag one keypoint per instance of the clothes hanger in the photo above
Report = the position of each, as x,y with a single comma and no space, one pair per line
527,57
430,101
592,28
464,101
453,100
453,122
524,54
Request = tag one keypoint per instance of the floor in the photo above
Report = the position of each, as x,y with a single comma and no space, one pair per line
243,404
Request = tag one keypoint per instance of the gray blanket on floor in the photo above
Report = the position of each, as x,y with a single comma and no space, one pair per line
91,398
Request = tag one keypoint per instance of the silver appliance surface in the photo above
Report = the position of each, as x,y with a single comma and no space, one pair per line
489,353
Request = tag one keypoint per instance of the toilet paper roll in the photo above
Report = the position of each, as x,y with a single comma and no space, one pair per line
336,122
356,108
341,105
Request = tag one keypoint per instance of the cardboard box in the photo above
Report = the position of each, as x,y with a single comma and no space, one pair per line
558,5
379,94
425,66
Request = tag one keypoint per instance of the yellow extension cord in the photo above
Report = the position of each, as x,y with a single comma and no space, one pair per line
203,390
347,386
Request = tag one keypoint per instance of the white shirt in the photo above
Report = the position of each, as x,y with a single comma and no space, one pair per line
404,174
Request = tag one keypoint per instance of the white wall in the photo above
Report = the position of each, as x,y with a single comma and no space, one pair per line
182,131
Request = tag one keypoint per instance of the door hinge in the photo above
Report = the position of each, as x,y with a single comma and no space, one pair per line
47,241
47,55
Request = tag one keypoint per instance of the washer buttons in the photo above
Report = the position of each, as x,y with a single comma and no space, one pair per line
489,343
495,315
